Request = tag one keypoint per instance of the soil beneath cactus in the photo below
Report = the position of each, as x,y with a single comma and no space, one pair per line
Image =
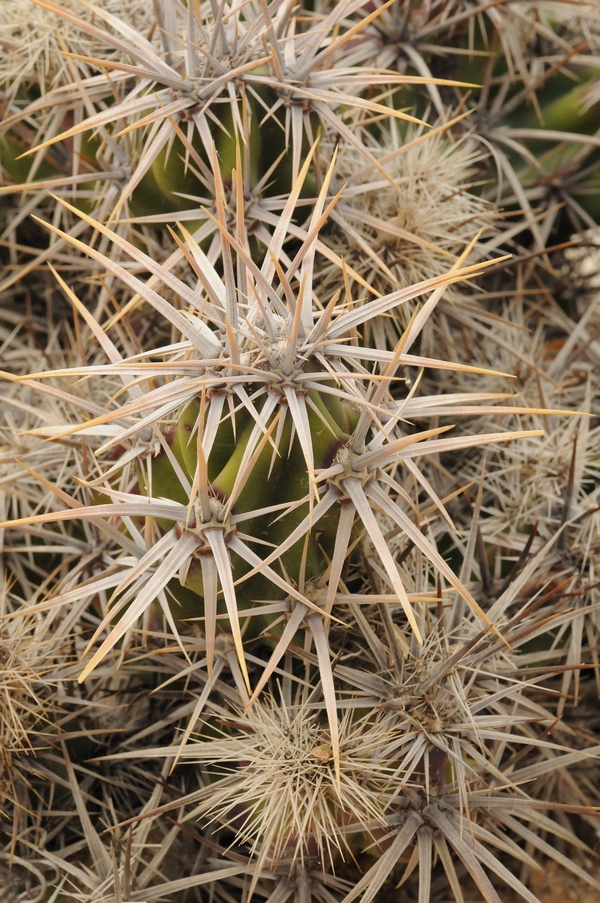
555,885
551,884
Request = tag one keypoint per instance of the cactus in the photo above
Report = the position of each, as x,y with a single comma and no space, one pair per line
275,273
